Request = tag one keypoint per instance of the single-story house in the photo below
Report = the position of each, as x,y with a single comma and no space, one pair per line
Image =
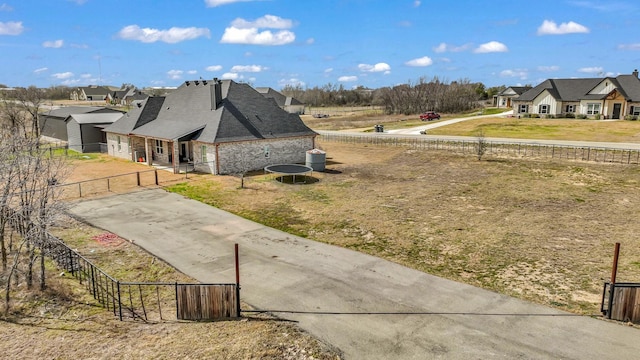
79,126
287,103
219,127
505,97
91,93
609,97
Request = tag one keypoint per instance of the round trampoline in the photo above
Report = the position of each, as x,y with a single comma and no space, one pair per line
292,170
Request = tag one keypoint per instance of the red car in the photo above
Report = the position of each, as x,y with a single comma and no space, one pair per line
430,115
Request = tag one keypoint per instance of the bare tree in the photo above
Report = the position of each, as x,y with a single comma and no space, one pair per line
481,144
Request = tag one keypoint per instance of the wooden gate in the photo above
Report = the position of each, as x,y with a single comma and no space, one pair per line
622,302
206,301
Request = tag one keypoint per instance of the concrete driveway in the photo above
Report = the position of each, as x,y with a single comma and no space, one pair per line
368,307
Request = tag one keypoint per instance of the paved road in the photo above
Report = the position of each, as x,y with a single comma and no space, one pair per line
436,124
367,307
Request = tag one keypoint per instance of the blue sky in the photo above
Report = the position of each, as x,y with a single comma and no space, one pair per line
371,43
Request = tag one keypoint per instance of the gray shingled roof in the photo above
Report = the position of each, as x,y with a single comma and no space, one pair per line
96,118
278,97
242,114
64,112
578,89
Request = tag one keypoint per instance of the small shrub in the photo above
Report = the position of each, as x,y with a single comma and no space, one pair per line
581,116
535,116
570,115
526,115
549,116
631,117
597,117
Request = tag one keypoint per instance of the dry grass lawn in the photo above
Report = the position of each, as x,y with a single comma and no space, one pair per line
543,231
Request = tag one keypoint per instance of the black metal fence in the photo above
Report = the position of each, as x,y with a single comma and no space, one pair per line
147,301
496,149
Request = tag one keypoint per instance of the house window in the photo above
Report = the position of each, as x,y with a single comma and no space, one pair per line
203,151
635,110
119,144
503,102
570,109
159,147
543,109
523,108
129,145
593,108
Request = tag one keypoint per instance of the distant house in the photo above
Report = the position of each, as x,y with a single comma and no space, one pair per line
91,93
608,97
220,127
79,126
505,98
121,96
286,103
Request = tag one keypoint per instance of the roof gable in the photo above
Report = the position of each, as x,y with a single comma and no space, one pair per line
212,111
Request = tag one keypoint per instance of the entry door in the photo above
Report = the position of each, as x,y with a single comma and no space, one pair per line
184,151
616,111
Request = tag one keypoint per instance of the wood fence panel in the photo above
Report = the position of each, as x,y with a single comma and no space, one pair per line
206,302
626,304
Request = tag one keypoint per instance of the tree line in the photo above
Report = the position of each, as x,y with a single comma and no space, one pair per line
410,98
28,193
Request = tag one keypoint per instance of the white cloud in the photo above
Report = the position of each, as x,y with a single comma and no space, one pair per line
79,2
214,3
326,71
175,74
248,68
379,67
310,41
519,73
444,47
56,44
491,47
292,82
265,22
348,78
549,27
37,71
248,32
6,7
635,46
423,61
79,46
417,3
192,72
230,76
63,76
171,36
548,68
11,28
592,70
213,68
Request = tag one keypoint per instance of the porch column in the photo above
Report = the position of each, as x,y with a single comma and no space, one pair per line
175,158
148,151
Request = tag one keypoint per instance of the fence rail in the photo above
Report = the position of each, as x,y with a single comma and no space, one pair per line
147,301
498,149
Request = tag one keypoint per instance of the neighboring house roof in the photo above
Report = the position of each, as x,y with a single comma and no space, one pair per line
95,90
517,90
579,89
108,118
279,98
198,110
64,112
